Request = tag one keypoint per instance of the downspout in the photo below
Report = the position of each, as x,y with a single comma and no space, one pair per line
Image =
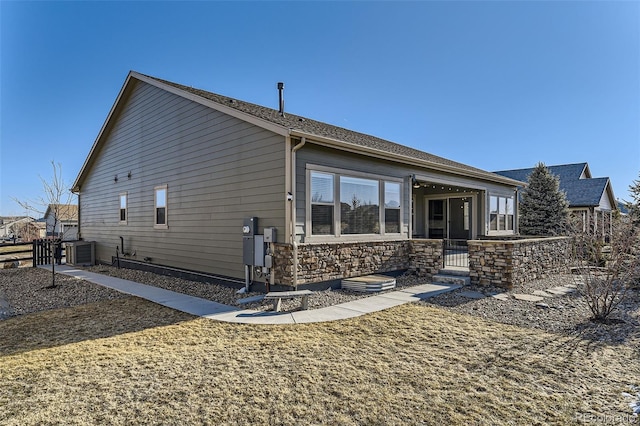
516,211
79,236
411,209
294,243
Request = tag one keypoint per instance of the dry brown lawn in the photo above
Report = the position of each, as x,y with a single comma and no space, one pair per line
129,361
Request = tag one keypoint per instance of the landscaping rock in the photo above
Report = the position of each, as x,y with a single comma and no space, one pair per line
542,293
472,294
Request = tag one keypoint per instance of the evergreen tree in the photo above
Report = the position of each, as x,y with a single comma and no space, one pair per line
634,205
544,208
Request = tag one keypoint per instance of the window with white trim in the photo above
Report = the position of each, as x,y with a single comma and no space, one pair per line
123,208
344,204
322,203
359,205
160,202
501,213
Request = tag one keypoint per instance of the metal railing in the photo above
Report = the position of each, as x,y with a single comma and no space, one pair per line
456,253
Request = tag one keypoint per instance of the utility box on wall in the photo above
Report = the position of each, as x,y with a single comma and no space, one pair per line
269,235
249,229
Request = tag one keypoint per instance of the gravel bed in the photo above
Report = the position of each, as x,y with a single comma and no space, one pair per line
24,291
568,314
228,295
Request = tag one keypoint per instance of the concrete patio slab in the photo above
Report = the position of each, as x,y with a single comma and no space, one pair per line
528,297
501,296
542,293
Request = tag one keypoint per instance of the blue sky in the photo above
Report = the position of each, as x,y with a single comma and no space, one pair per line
496,85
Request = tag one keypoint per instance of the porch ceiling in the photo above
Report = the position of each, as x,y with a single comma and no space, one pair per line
439,188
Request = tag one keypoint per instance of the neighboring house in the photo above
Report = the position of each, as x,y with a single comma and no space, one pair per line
175,170
10,226
590,199
33,231
62,221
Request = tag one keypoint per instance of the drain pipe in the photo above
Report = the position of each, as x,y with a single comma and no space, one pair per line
294,243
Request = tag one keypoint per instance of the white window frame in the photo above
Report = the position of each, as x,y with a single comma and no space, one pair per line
164,225
337,173
126,208
499,215
332,203
383,206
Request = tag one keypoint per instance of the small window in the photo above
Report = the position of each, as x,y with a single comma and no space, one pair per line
123,208
161,206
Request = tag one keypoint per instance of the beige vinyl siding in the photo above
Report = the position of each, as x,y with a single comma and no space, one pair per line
218,170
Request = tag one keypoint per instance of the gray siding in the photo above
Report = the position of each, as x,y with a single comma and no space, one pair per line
218,170
323,156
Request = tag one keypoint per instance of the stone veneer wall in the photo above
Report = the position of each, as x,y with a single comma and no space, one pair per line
508,263
329,261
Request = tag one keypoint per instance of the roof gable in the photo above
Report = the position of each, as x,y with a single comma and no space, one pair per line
63,211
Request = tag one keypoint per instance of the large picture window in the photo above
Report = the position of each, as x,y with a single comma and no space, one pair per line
501,213
359,206
342,204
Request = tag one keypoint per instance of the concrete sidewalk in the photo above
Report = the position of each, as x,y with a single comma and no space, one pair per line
220,312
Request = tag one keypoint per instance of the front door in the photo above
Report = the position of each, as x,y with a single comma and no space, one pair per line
459,218
437,219
449,218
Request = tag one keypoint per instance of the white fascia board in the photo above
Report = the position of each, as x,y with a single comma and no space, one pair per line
359,149
608,189
249,118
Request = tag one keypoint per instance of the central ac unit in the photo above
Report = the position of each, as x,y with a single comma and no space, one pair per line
81,253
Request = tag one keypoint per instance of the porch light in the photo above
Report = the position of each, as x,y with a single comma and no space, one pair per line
415,182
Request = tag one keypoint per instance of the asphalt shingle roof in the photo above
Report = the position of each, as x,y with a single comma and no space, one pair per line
580,192
313,127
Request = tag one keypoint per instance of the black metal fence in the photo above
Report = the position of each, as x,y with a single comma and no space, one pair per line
44,251
456,253
40,252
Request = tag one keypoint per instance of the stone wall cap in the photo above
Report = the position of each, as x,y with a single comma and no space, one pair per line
513,242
